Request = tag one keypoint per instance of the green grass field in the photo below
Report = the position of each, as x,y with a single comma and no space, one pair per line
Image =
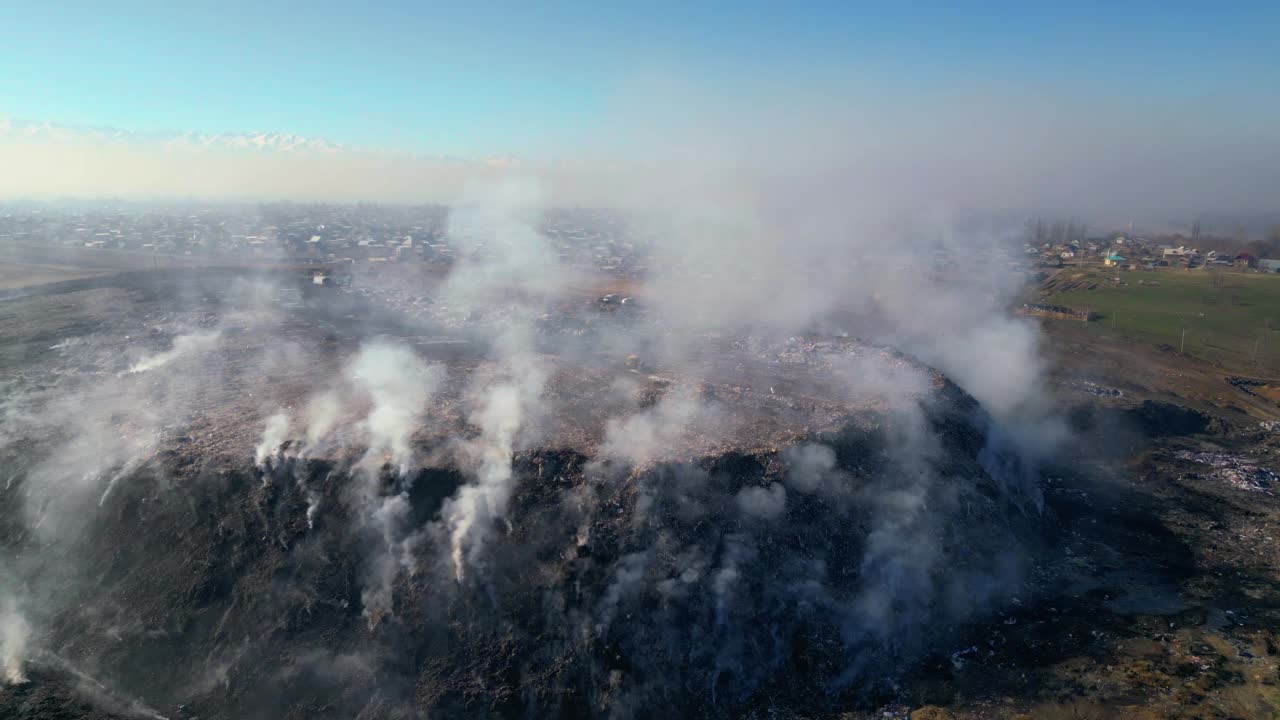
1228,320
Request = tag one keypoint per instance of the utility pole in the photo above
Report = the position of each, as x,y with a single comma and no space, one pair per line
1182,348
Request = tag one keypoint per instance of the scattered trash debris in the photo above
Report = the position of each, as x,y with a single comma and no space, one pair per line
1235,470
1097,390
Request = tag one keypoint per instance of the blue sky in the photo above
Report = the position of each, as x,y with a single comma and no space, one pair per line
533,77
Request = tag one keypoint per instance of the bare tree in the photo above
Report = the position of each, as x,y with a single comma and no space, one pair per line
1058,232
1033,231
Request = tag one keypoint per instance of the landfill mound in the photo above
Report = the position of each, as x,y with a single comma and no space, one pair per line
183,539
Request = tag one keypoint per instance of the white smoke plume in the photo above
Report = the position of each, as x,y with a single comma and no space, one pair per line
398,384
183,346
764,503
385,516
322,414
101,694
500,408
276,432
737,550
810,467
14,637
656,432
508,271
628,574
382,396
109,423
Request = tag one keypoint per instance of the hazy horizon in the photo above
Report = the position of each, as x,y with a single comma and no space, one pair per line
997,107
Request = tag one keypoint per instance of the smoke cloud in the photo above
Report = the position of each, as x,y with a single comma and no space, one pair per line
766,503
14,631
829,438
183,346
272,438
398,385
500,408
509,274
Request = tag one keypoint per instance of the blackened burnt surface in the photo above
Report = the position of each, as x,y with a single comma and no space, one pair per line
609,590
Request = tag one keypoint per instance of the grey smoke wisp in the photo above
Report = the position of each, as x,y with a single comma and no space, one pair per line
14,632
511,274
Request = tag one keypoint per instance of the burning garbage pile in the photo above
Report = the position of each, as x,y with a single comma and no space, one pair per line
372,551
316,514
1096,390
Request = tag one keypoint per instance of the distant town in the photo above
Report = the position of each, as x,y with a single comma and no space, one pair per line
1060,244
362,237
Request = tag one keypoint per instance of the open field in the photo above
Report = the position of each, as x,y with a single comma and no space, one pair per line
1229,318
20,275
